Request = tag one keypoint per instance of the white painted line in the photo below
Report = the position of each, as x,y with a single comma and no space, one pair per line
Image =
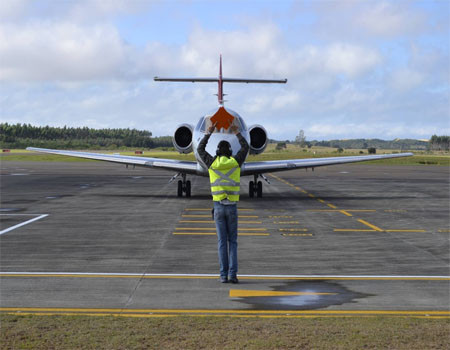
23,223
200,275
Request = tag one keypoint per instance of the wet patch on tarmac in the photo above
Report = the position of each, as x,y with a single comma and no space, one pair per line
317,295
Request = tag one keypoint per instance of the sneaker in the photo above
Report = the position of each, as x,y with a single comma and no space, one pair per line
234,280
223,280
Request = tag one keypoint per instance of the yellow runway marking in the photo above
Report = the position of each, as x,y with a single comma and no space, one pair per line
443,230
286,222
213,228
376,228
280,216
212,221
352,230
242,293
321,200
221,312
208,216
297,234
209,209
345,212
311,195
405,230
331,206
213,233
339,210
293,229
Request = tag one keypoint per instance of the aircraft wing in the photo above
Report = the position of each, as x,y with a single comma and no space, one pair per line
252,168
169,164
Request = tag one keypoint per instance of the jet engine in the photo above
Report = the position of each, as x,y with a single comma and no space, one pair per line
258,139
182,138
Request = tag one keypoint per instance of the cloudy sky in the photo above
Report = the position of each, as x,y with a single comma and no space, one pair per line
372,69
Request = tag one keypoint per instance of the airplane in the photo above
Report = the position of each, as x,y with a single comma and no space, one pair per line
187,137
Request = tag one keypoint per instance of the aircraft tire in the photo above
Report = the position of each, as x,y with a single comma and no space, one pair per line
251,189
180,188
259,189
188,188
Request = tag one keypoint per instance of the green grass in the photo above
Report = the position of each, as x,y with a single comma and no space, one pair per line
292,152
84,332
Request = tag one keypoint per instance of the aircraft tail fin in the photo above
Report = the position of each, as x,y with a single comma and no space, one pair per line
220,80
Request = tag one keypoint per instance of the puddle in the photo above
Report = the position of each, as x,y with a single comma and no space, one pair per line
328,294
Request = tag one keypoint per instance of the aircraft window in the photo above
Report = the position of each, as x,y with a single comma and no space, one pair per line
201,124
244,127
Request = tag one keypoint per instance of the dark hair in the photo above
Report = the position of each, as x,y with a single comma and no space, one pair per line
224,149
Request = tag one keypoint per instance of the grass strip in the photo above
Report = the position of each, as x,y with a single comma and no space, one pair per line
183,332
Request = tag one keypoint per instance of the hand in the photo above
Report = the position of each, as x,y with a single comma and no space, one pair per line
212,128
234,129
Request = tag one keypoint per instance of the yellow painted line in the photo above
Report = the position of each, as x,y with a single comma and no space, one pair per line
212,221
311,195
209,209
345,212
280,216
443,230
405,230
395,211
297,234
352,230
213,233
222,312
293,229
214,229
286,222
331,206
321,200
348,210
209,215
376,228
242,293
197,221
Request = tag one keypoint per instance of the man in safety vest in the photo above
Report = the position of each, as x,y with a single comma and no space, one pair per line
224,175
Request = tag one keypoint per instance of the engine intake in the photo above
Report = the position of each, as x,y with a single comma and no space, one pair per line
258,139
182,138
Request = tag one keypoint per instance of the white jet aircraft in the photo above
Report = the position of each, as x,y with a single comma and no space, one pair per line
187,137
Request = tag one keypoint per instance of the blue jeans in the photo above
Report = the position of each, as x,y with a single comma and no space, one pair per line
226,219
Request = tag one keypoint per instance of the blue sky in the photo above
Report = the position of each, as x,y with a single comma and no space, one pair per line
355,69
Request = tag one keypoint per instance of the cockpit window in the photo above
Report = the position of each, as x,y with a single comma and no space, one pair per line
201,124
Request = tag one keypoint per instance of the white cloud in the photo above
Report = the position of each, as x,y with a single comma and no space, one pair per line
60,51
350,59
389,19
406,79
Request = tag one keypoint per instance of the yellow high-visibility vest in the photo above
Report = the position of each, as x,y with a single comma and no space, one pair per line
225,175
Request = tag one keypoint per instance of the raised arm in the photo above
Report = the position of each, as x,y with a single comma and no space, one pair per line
201,149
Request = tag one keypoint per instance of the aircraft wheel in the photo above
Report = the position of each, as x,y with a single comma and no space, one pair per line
188,188
251,189
180,188
259,189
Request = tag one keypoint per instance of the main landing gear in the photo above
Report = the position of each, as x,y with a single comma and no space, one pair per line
183,185
255,186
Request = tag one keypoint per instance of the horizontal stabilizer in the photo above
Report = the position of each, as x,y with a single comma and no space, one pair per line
225,80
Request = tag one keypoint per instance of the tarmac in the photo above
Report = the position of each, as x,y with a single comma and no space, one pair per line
98,239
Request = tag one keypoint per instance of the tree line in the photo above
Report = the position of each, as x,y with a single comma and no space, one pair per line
26,135
440,142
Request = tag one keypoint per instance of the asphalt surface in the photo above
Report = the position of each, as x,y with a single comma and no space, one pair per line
92,237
